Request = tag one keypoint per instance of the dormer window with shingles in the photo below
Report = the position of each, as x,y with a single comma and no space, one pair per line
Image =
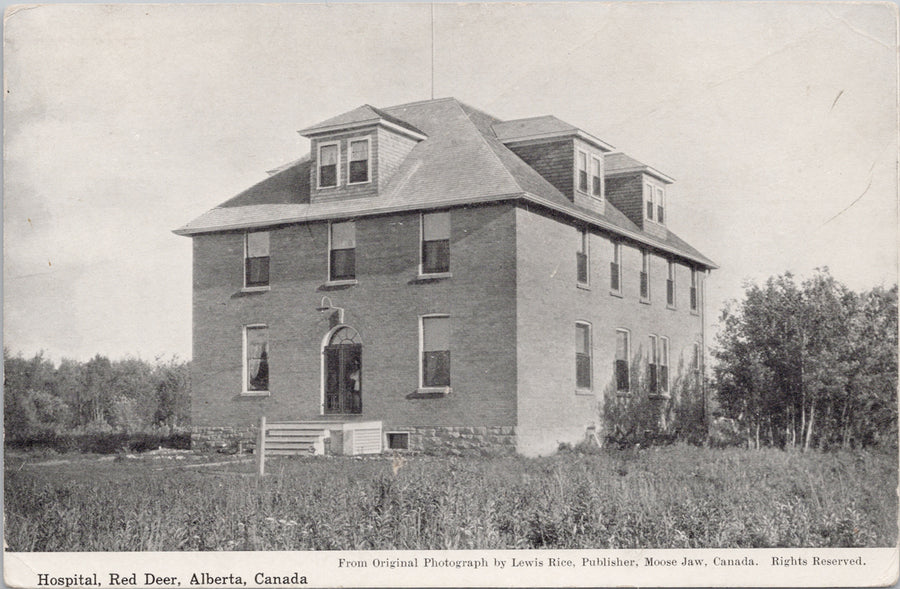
329,164
359,167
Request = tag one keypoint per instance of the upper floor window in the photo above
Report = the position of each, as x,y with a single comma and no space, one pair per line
623,352
582,171
329,164
342,251
648,198
597,177
670,284
660,204
645,275
581,257
615,268
256,259
256,356
435,350
695,298
359,166
435,243
582,355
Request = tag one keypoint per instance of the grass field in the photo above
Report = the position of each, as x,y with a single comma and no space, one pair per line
673,497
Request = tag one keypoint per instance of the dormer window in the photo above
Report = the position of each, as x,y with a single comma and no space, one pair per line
648,191
660,205
655,199
359,168
596,177
582,171
329,164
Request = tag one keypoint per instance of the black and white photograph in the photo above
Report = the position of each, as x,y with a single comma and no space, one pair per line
436,294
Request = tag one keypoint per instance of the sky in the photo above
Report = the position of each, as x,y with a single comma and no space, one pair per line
779,122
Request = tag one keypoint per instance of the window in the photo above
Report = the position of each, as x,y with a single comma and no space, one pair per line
694,284
597,177
359,162
582,355
660,205
615,269
342,257
256,259
622,354
329,163
653,366
435,243
663,366
398,440
645,276
256,354
582,172
436,351
581,257
670,285
648,190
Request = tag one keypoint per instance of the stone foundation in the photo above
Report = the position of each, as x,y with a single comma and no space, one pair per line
215,438
458,441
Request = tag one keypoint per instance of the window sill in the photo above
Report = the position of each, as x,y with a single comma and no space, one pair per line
583,286
659,396
624,394
255,393
256,288
584,392
433,276
616,293
429,392
645,301
347,282
359,183
695,312
672,307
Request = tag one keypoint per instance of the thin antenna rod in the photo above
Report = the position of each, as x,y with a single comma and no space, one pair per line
432,50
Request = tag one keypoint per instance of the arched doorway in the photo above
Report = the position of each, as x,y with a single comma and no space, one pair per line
342,371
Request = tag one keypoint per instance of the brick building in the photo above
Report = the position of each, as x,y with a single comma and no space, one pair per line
463,282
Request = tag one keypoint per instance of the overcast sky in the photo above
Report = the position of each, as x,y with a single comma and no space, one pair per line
778,121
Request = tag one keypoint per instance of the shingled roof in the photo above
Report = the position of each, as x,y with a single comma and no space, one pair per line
463,161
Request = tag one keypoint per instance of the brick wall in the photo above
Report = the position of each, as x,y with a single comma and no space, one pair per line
549,303
384,307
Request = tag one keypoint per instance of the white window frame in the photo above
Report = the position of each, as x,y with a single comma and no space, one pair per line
337,175
627,333
244,375
671,274
599,161
590,330
645,263
328,279
617,260
350,142
661,202
585,236
648,199
587,171
421,272
695,286
663,358
421,351
260,287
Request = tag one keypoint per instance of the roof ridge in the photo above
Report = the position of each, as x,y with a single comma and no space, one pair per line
445,98
490,149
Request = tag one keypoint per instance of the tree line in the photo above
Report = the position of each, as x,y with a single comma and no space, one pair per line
43,399
809,364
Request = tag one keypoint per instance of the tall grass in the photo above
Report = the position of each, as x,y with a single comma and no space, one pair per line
679,496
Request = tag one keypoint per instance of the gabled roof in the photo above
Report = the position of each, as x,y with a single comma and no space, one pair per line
543,128
619,163
463,161
362,116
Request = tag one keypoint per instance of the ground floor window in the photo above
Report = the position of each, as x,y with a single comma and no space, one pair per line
435,345
582,356
256,354
622,353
